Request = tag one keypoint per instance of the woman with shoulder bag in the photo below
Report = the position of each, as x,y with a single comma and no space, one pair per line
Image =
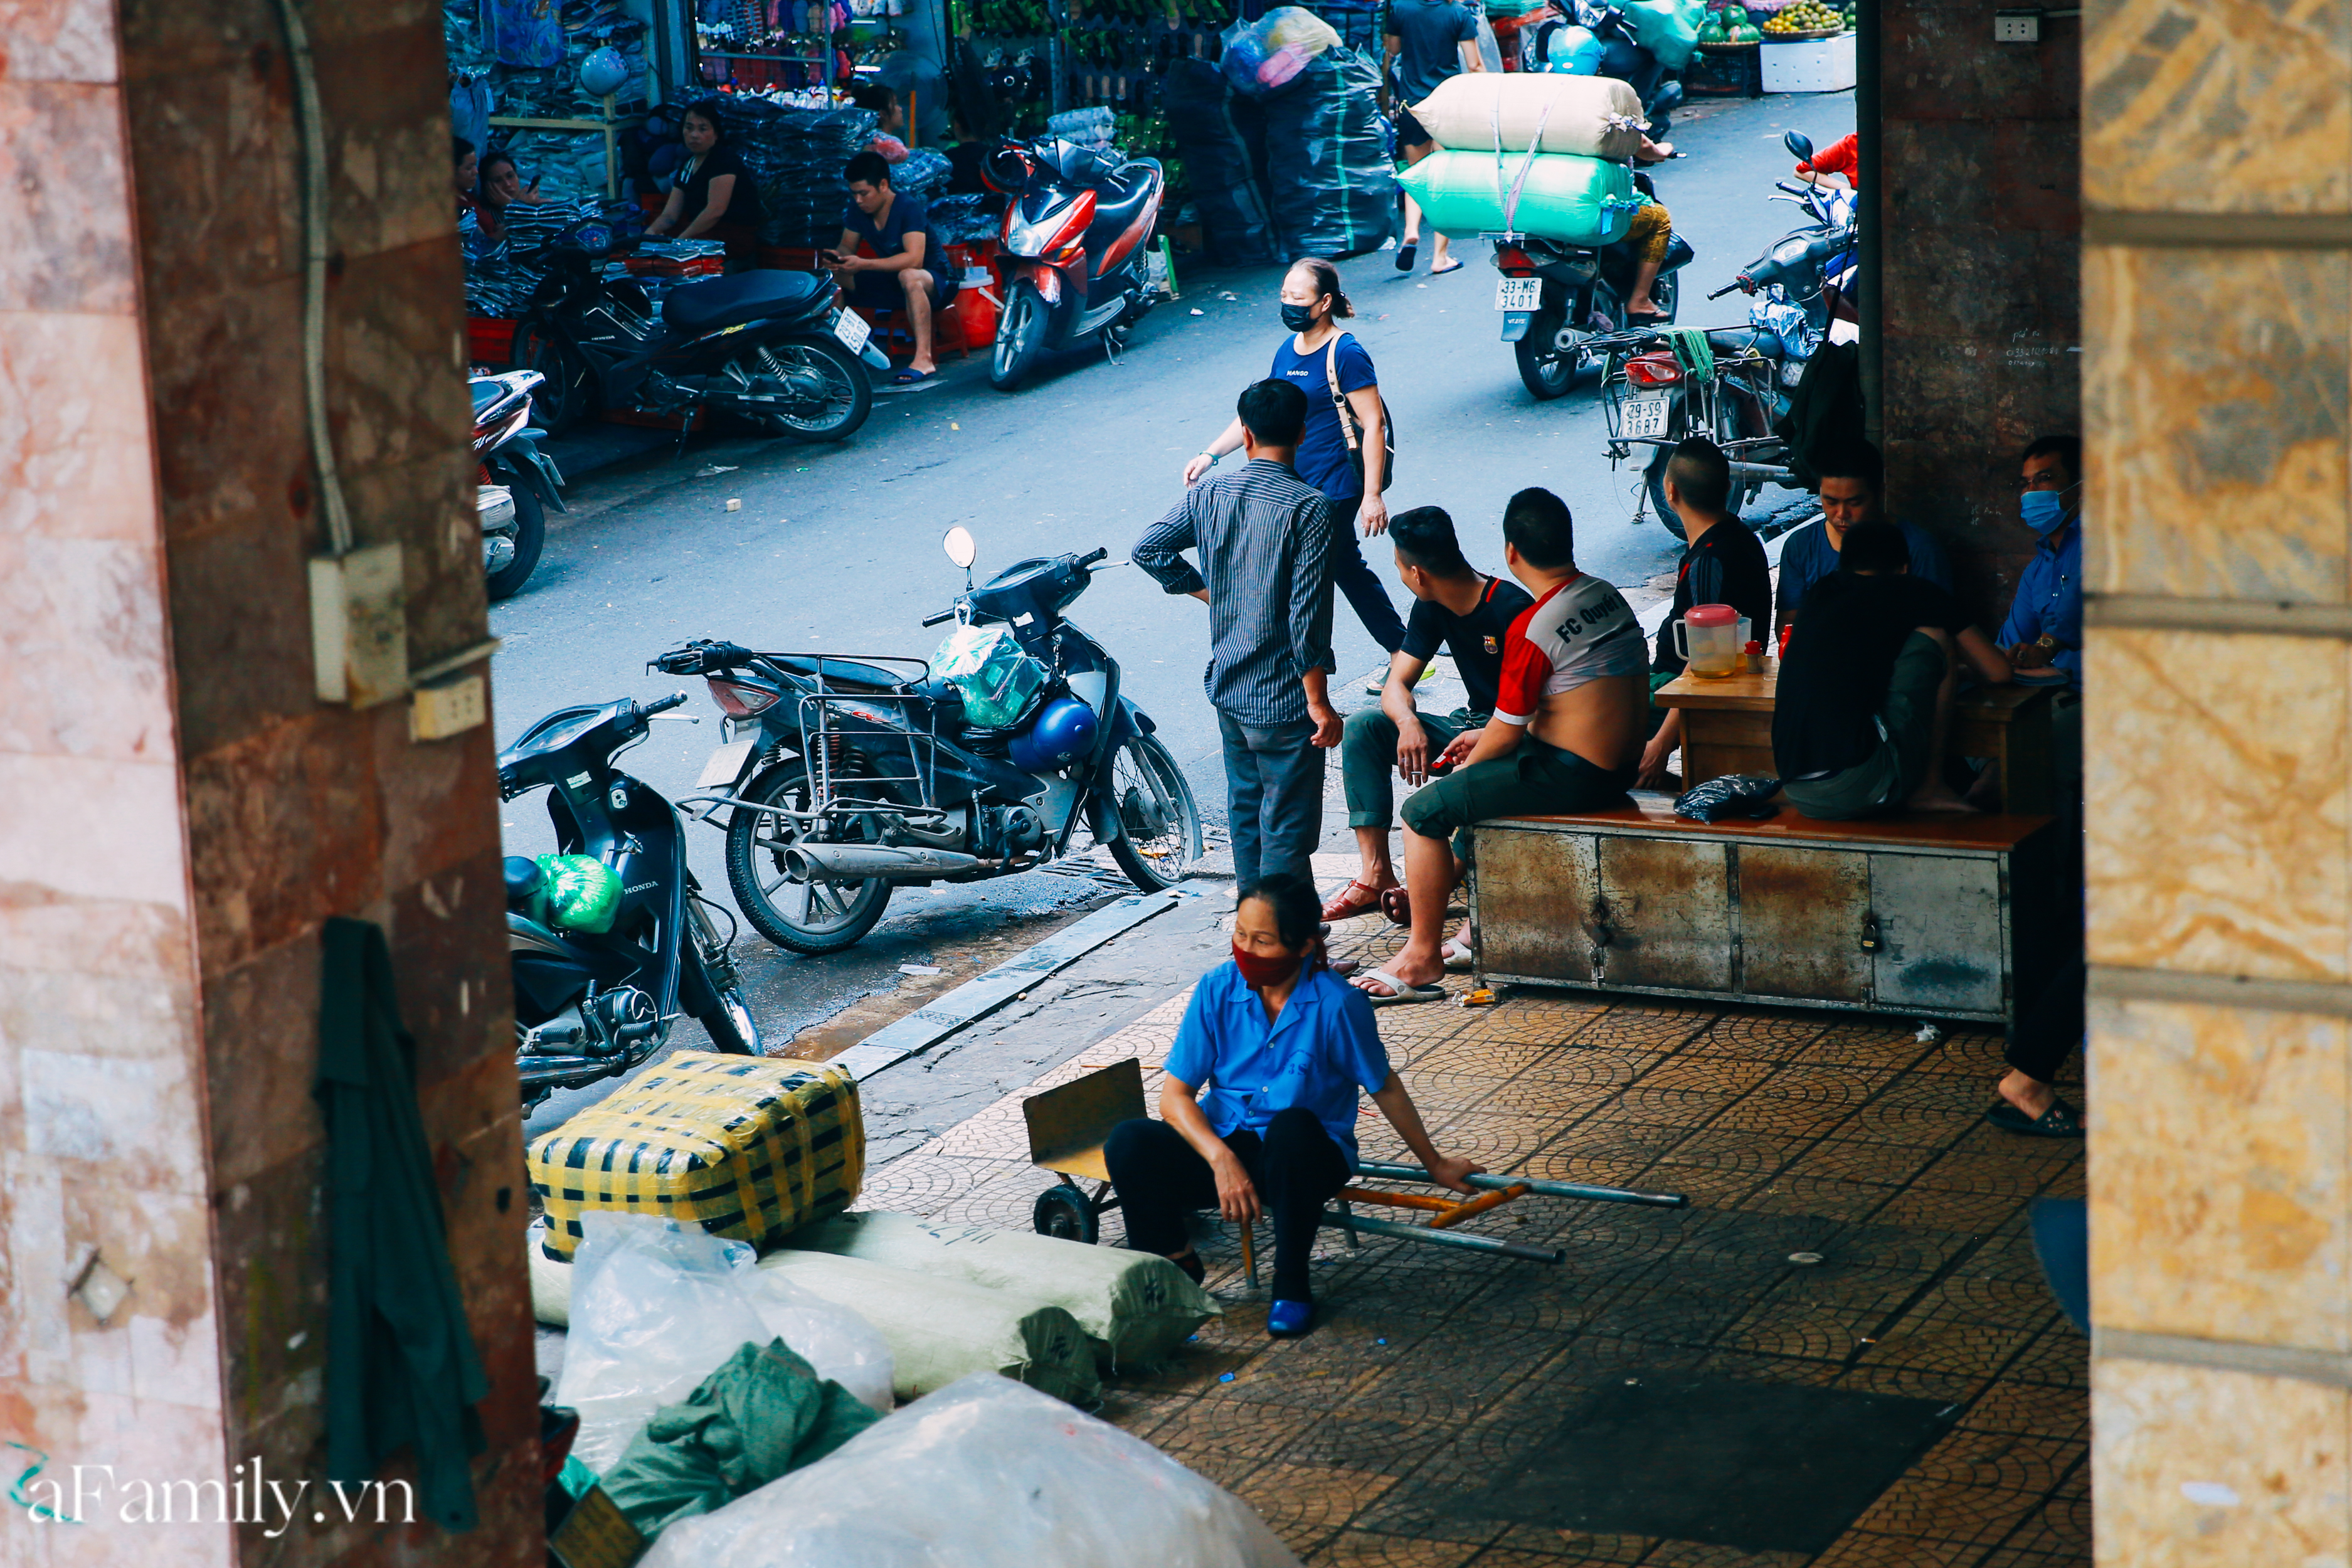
1346,450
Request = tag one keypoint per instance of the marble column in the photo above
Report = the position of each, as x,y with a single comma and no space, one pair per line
178,813
2216,179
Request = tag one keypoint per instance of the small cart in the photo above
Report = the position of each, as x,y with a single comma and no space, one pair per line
1068,1126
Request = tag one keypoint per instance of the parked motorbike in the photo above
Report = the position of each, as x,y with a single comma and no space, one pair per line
845,778
768,346
1556,298
516,483
1074,258
592,1005
1656,398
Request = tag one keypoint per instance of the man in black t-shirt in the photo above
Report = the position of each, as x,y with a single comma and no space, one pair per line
909,270
1454,607
1723,564
1864,696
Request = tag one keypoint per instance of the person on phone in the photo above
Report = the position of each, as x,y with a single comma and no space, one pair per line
1282,1048
715,197
908,272
502,186
1343,399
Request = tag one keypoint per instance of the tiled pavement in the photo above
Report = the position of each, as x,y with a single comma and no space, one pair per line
1789,1131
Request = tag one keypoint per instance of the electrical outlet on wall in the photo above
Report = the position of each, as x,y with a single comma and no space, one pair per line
2017,27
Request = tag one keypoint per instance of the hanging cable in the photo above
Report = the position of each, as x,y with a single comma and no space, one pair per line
311,126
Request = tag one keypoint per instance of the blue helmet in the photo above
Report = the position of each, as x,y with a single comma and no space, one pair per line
1064,733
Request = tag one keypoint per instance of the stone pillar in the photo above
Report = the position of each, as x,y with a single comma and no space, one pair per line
2218,347
178,813
1980,222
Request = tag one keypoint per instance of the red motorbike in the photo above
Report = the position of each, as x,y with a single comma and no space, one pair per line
1074,258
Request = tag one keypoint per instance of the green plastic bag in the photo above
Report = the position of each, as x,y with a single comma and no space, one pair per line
1557,195
582,893
1667,29
998,679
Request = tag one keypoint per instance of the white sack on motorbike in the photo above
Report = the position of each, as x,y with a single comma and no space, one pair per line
1588,116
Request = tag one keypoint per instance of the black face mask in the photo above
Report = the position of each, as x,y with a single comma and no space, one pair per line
1298,318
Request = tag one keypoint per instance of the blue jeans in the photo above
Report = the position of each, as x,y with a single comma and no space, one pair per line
1353,575
1274,795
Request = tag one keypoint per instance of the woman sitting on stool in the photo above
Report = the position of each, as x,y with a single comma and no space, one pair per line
1286,1045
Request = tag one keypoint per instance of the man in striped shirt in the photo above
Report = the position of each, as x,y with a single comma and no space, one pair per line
1264,539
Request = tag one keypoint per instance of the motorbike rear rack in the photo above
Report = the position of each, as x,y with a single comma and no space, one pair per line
832,721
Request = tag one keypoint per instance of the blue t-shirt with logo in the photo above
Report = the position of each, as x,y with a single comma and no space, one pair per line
1323,450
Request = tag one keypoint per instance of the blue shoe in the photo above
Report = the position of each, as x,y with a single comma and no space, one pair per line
1288,1320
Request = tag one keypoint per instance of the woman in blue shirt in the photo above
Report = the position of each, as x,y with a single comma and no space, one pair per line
1281,1047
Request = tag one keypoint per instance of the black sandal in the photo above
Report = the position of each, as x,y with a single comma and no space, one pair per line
1406,255
2061,1120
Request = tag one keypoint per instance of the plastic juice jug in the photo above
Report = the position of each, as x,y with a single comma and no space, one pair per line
1710,639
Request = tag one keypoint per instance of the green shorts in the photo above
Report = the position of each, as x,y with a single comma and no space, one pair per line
1536,780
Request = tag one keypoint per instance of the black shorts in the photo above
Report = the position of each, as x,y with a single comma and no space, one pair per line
1409,131
880,291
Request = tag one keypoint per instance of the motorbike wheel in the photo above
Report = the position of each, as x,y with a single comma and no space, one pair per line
807,917
1162,838
529,538
1019,337
568,394
1544,372
849,391
1654,476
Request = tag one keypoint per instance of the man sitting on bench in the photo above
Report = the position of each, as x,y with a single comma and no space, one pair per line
1864,699
1566,730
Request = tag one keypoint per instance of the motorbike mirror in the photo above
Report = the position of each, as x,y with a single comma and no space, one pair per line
1800,145
961,547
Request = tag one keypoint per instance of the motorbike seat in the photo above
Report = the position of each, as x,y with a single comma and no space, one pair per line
1743,340
1122,196
845,673
744,297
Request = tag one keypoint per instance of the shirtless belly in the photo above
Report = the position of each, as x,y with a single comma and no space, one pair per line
1600,721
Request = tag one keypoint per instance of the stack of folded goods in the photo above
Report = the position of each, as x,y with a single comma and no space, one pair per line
796,156
1085,127
1539,154
1327,169
964,219
500,280
923,173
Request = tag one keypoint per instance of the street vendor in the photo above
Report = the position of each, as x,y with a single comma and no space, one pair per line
715,197
501,188
1281,1048
908,272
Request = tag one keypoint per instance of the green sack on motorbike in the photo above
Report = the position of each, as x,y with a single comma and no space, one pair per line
582,893
998,679
1667,29
1574,200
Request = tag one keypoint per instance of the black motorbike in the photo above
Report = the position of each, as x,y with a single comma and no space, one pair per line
1556,298
1074,254
516,482
766,346
594,1006
843,778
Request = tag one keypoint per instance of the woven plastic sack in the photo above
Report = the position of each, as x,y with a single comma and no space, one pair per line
998,679
1586,116
1328,170
939,1329
581,893
1135,1307
1264,55
1221,138
1667,29
1577,201
986,1474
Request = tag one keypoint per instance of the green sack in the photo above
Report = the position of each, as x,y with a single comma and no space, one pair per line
998,679
1667,29
582,893
1560,196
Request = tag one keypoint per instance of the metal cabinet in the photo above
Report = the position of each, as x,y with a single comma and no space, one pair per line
1952,919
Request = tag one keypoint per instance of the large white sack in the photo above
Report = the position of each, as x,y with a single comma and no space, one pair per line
1137,1306
1591,116
653,1309
986,1474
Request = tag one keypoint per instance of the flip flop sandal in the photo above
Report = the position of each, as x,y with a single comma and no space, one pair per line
1345,905
1458,960
1406,255
1442,271
1400,990
2061,1120
908,377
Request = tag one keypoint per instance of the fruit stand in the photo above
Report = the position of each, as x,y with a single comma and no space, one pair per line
1801,46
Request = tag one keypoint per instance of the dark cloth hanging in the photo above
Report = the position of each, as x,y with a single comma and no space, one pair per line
402,1368
1825,412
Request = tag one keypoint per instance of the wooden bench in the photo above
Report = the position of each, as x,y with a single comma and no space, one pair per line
1935,916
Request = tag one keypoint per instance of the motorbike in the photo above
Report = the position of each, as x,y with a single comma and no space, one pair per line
1655,397
1074,254
594,1005
767,346
843,779
1556,298
1624,57
515,483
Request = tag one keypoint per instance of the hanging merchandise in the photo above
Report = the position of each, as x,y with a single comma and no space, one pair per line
1590,117
1551,195
1222,136
1328,170
523,32
470,108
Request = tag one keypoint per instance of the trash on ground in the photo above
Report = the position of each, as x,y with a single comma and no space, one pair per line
712,470
918,969
734,506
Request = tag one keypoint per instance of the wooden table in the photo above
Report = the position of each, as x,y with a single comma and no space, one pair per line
1727,728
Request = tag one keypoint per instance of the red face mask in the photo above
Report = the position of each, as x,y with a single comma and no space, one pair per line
1260,971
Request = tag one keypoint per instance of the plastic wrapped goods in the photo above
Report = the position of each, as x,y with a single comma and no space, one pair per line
939,1329
997,678
1332,185
1135,1307
1577,201
1588,116
1667,29
1221,137
795,156
986,1474
1264,55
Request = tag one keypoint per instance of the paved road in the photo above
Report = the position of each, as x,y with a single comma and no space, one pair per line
836,548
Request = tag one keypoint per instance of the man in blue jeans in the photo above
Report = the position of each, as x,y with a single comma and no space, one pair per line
1264,538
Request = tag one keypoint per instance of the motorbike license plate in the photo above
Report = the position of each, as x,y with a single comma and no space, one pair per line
851,329
726,763
1519,294
1647,416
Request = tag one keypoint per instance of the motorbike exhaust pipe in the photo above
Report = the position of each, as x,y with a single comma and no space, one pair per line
863,862
1759,471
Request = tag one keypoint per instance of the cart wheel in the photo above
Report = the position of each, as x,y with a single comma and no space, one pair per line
1064,1212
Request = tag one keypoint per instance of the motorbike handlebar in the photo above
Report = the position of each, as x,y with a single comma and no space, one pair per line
939,619
662,705
1091,556
1727,289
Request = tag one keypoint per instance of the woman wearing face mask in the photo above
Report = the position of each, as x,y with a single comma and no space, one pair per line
1286,1047
1317,357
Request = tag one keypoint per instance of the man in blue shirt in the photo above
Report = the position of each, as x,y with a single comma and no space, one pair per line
2043,633
1852,485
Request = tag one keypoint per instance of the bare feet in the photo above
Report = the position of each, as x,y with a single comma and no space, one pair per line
2029,1095
1936,798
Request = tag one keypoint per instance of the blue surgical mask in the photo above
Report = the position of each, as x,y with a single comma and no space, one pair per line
2045,511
